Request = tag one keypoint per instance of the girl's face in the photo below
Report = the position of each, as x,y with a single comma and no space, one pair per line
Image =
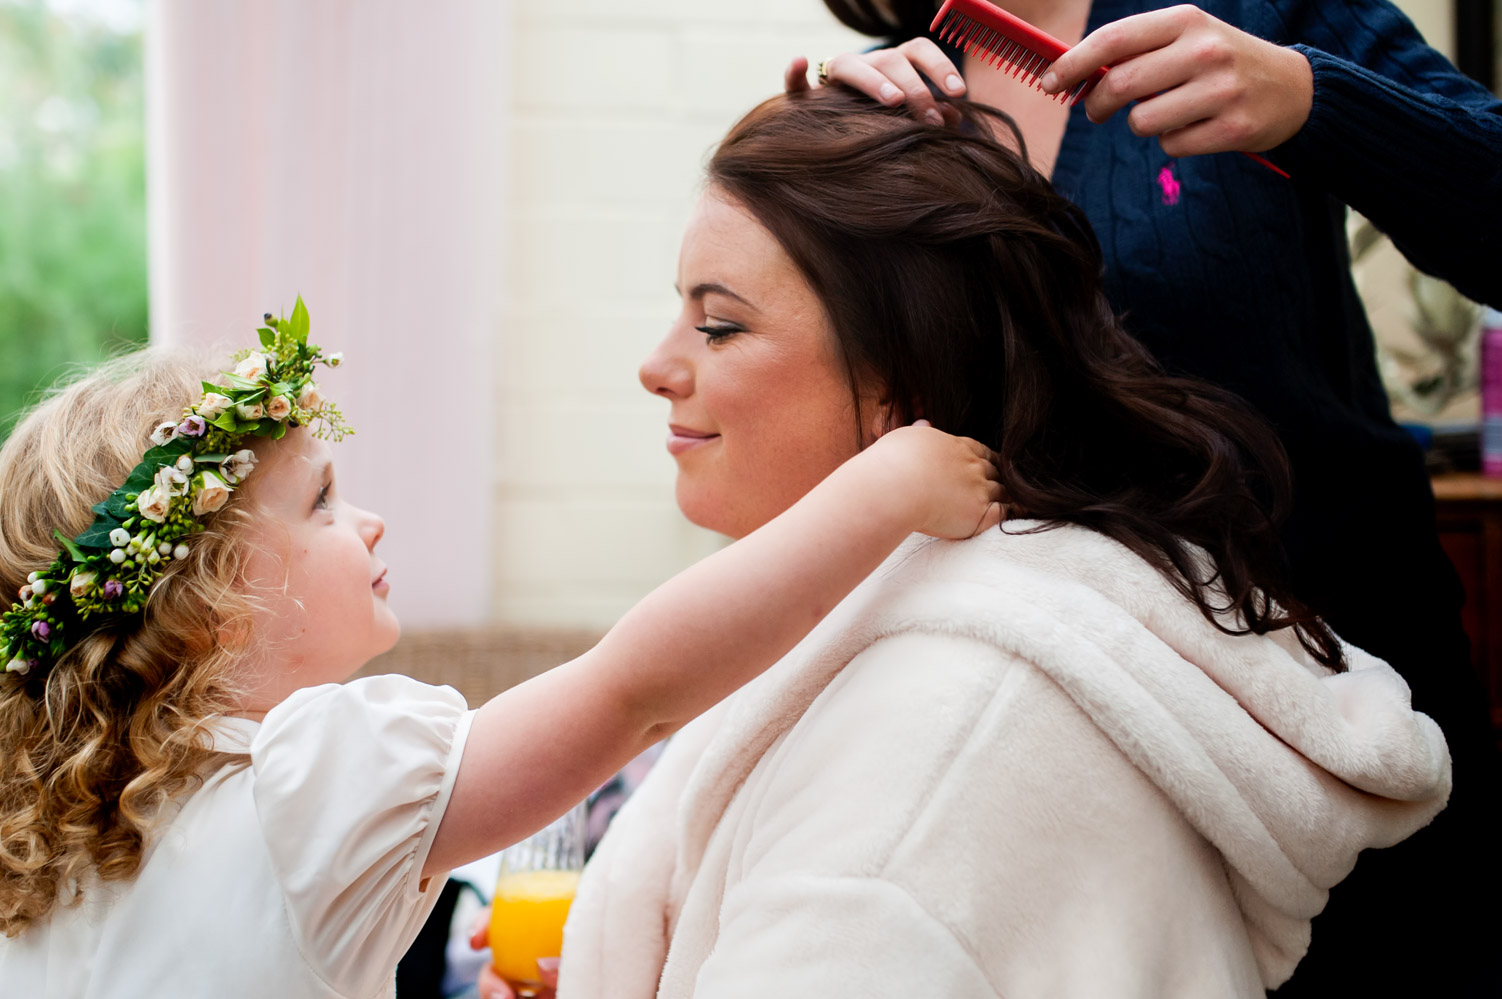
315,566
761,406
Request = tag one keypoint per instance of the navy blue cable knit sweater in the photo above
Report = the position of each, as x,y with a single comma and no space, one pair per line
1245,280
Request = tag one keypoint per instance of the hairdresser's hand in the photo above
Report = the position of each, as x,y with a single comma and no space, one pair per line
889,76
946,486
493,986
1201,85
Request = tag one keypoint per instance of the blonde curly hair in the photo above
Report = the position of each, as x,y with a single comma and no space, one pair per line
92,749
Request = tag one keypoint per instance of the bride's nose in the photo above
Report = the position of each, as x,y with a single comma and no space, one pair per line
666,371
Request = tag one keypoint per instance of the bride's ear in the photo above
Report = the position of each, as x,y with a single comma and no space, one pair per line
881,418
884,416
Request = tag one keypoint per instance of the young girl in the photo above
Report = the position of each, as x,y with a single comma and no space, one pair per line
190,802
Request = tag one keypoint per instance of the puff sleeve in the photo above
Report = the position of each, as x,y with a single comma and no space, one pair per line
351,782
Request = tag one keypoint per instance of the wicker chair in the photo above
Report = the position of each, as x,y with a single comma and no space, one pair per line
480,663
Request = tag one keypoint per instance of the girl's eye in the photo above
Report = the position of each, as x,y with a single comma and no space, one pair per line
323,499
716,332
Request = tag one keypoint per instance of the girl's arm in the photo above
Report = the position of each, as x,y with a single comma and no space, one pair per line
541,746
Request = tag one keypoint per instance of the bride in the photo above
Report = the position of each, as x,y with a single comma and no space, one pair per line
1101,751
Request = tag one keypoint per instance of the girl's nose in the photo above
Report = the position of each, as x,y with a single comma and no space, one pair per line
372,528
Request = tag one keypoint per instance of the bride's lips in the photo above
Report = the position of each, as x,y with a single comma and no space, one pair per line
681,439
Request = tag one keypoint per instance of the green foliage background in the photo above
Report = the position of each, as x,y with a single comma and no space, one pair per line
72,197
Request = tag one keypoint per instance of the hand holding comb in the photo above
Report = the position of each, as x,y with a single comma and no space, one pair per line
1010,44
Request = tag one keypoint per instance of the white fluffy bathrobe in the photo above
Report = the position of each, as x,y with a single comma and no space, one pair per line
1013,766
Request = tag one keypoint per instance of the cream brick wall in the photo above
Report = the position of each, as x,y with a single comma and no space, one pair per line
613,109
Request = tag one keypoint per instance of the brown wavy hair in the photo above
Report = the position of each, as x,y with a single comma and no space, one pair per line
963,285
92,749
885,18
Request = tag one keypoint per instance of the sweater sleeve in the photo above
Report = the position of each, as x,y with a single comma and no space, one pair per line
1400,135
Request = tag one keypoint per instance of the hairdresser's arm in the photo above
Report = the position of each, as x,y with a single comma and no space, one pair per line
1425,167
536,749
1388,126
1198,84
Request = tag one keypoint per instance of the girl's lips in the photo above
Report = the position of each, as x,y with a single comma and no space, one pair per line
681,439
380,585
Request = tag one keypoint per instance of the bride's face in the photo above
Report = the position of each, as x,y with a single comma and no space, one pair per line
762,408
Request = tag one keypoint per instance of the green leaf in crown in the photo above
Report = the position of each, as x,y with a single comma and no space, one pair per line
187,476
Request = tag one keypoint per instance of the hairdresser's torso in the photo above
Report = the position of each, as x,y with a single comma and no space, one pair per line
1231,273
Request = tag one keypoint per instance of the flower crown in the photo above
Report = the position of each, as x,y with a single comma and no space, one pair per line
188,474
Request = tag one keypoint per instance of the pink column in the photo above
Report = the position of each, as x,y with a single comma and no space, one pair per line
350,152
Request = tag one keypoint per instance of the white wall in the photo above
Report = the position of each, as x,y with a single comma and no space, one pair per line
614,107
1435,20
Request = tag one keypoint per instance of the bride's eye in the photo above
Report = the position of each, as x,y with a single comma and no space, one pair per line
717,332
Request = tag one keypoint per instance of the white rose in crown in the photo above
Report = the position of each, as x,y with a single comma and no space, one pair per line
279,407
171,481
253,367
210,495
81,583
165,433
153,503
214,404
238,465
311,397
250,411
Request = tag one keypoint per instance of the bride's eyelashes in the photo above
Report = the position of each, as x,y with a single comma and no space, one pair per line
717,332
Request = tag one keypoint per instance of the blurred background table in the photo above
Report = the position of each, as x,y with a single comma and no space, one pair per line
1468,507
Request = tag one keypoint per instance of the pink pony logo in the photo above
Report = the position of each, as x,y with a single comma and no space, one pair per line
1169,186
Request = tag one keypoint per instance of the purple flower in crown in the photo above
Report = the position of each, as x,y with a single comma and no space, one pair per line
112,589
193,426
41,630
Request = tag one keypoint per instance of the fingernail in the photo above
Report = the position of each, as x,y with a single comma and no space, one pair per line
933,116
954,83
888,92
1050,81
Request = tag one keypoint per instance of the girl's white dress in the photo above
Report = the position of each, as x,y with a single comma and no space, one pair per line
296,875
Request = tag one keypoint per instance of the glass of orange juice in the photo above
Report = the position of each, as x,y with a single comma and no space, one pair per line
532,899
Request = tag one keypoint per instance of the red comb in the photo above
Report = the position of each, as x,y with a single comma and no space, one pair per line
1008,42
1005,41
